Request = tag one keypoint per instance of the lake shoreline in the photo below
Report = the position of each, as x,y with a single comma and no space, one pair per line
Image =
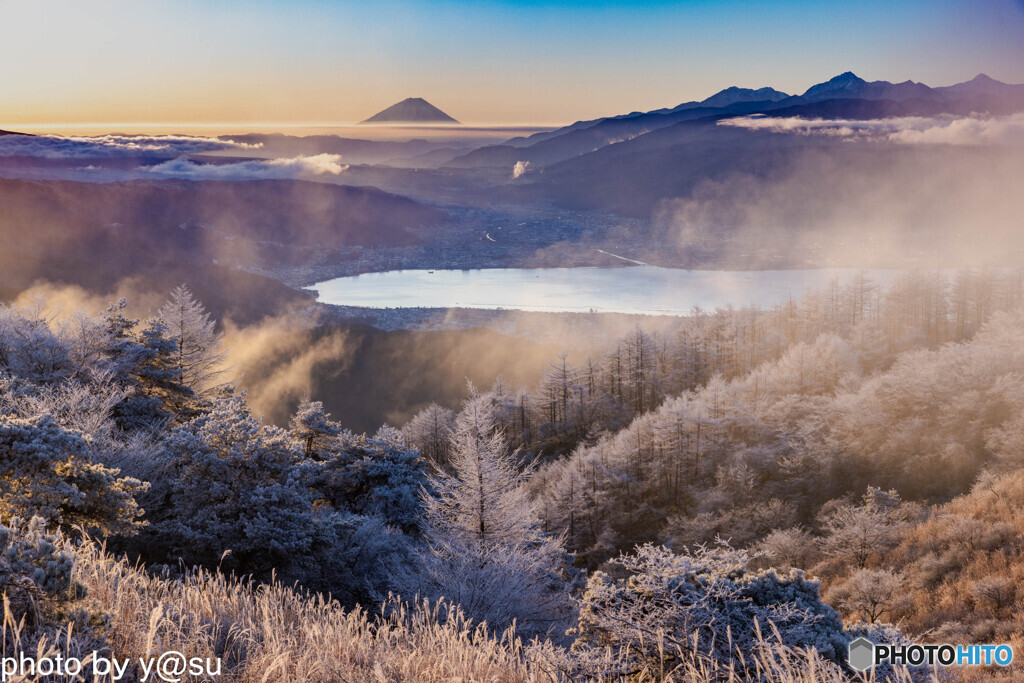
623,289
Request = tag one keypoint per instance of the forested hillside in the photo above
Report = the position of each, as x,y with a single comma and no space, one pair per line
735,499
147,236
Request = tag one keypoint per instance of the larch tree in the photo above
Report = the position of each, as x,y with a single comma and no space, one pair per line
485,548
482,501
558,389
429,430
199,359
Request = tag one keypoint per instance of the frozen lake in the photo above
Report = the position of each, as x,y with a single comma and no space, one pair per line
641,289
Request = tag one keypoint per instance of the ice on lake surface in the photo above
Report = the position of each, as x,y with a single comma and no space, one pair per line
641,289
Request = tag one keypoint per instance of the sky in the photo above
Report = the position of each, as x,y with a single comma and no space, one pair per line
167,63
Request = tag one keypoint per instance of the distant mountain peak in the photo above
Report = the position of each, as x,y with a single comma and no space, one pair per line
411,110
850,85
847,77
733,94
981,85
844,82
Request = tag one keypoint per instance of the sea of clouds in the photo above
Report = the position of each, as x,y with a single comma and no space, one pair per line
167,156
113,146
907,130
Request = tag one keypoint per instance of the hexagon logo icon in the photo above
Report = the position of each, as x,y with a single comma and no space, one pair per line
862,654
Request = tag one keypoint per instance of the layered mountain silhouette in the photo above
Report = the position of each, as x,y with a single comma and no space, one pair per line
980,86
845,96
411,110
849,84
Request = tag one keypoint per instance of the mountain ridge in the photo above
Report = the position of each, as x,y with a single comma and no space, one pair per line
845,95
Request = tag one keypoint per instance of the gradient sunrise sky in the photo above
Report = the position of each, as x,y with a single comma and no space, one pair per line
482,61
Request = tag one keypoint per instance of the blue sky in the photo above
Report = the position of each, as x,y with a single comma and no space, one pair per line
485,61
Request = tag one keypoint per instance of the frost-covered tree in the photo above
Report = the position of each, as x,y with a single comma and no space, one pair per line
558,390
482,499
359,559
157,373
870,593
47,471
314,429
642,377
85,338
859,531
786,548
430,430
199,360
485,549
814,368
122,352
677,609
126,357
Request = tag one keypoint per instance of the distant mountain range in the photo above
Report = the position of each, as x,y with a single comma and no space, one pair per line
845,96
411,110
850,85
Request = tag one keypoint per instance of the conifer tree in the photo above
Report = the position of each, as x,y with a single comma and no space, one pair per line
313,428
486,550
199,361
430,430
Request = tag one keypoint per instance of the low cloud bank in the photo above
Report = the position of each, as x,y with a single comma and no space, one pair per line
262,169
113,146
908,130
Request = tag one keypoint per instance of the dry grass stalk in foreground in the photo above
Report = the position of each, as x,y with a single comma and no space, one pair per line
273,634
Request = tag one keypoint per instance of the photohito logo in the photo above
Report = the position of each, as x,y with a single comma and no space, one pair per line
864,654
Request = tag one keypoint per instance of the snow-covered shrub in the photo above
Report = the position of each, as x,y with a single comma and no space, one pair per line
672,610
32,565
357,559
48,471
229,483
30,350
378,475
